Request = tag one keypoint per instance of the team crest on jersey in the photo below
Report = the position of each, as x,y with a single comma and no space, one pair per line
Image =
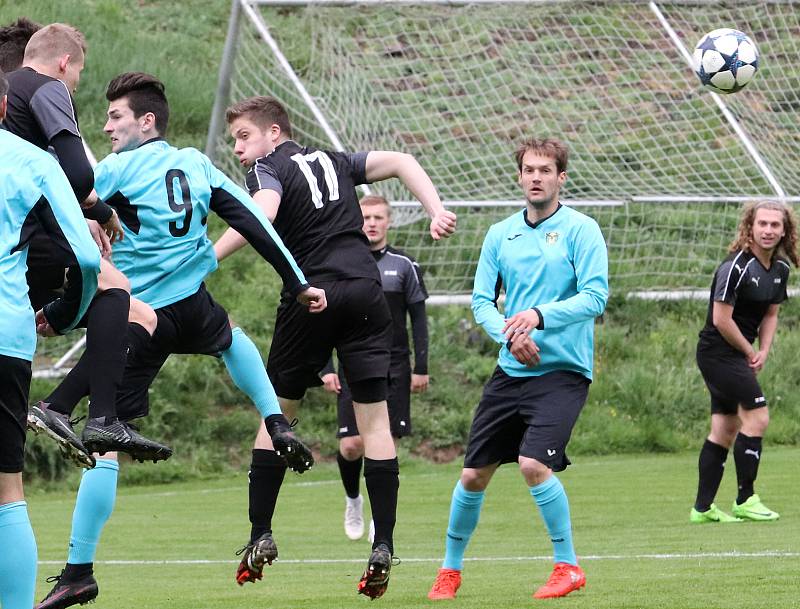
551,237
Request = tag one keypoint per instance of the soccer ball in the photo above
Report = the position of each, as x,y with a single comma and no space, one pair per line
725,60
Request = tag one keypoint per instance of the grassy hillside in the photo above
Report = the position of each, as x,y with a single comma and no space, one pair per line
648,395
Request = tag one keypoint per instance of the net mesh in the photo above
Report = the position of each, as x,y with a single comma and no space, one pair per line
460,86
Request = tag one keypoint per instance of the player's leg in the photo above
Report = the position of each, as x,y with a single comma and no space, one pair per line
265,477
18,557
711,466
97,491
93,507
747,452
494,436
350,459
116,324
550,405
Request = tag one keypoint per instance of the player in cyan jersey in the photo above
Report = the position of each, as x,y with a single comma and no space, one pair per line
41,111
553,265
163,196
32,189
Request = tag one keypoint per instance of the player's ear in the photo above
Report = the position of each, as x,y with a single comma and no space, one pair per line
3,106
275,131
148,121
63,62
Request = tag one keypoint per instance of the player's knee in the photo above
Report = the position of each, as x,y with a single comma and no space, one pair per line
351,447
755,422
475,480
143,314
535,472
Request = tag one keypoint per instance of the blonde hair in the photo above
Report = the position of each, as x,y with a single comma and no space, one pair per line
54,41
376,200
744,234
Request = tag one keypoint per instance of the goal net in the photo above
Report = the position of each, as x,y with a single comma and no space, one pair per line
660,162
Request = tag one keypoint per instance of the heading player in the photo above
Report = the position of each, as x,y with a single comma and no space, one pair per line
164,195
310,196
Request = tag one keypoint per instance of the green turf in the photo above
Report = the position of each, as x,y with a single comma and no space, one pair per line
630,517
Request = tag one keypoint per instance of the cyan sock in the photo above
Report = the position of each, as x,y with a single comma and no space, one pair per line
93,507
18,558
554,508
248,373
465,509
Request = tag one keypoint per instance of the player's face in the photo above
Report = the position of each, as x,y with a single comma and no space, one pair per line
376,224
124,129
250,142
540,179
768,228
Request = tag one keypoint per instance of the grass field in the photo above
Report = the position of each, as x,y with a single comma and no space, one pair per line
173,546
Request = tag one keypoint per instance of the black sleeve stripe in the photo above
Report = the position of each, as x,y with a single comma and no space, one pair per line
497,286
128,213
231,210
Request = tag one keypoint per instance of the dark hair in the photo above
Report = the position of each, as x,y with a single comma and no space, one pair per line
553,148
3,84
145,93
13,39
263,111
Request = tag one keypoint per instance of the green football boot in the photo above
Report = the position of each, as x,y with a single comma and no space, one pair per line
712,514
753,509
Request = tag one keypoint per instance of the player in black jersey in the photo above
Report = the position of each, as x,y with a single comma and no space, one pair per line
41,111
310,195
746,293
403,286
13,39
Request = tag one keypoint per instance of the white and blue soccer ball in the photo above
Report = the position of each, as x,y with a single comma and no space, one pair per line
725,60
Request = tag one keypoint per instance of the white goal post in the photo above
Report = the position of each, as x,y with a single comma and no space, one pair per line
660,162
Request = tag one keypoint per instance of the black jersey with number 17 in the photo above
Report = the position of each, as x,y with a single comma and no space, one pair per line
319,218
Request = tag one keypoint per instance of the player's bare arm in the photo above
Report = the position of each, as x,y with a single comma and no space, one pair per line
724,323
382,165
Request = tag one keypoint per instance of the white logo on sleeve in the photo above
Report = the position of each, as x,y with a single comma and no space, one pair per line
550,452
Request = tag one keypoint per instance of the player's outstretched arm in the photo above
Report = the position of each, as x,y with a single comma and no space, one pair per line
382,165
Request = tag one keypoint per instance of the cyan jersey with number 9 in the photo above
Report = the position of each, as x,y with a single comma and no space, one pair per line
163,196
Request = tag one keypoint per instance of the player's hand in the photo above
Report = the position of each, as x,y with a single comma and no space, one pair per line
443,224
331,383
43,327
524,321
524,350
314,299
419,383
100,238
757,361
113,228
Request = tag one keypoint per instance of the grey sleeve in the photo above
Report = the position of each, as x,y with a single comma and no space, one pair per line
414,285
53,109
262,176
726,282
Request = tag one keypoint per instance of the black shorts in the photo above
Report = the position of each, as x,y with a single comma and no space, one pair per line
730,380
15,383
357,323
529,416
46,269
195,325
399,402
